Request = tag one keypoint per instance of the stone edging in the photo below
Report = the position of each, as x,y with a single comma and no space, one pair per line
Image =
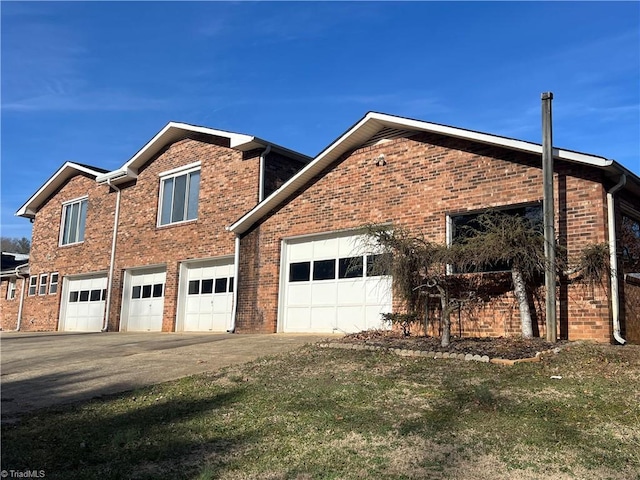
435,355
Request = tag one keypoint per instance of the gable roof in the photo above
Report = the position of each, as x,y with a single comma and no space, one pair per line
175,131
373,122
64,173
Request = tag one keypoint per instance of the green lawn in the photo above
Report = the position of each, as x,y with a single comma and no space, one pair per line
345,414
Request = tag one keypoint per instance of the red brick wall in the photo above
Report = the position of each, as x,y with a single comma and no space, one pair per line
9,308
228,189
92,255
426,178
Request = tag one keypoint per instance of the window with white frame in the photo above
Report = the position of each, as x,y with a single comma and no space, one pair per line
53,284
179,192
33,285
42,290
11,289
74,218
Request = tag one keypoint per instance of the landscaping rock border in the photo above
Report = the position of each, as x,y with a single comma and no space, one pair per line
444,355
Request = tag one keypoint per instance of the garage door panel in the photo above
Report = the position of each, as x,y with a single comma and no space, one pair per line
325,248
324,294
351,292
300,251
350,318
299,294
323,319
298,319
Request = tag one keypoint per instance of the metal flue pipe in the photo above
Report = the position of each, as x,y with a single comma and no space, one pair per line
549,227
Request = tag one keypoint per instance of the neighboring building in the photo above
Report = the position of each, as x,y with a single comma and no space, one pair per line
205,230
14,272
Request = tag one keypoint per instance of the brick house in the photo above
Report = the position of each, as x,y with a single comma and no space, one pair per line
145,246
205,230
297,243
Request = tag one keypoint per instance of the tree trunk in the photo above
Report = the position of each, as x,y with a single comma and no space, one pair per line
520,293
445,338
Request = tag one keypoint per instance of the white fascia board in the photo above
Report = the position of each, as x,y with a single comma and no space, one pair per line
371,123
174,131
30,208
510,143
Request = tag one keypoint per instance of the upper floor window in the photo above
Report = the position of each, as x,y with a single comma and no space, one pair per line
74,217
179,196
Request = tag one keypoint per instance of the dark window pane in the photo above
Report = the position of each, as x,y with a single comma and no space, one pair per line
299,272
221,285
73,296
324,269
104,294
194,287
135,292
95,295
231,284
146,291
377,265
157,290
84,295
207,285
350,267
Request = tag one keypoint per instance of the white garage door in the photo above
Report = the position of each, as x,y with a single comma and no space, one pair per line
209,296
331,286
145,301
84,307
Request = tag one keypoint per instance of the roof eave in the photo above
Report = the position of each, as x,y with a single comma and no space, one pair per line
31,206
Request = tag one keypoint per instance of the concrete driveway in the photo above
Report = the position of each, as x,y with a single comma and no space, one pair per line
44,369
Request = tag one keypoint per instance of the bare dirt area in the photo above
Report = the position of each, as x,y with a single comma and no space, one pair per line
511,348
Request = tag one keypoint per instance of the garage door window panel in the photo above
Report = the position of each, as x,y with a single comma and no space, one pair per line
84,295
146,291
350,267
194,287
324,270
299,271
157,290
136,291
207,286
221,285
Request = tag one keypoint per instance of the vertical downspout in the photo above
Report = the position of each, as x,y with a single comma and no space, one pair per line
549,221
236,270
24,283
262,171
112,261
613,260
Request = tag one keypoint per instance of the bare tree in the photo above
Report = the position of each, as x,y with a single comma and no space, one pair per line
498,240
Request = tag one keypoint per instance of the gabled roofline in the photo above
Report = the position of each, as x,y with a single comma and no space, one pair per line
175,131
373,122
65,172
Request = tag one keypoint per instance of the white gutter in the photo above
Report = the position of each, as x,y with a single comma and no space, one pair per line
112,261
19,322
613,260
261,177
236,270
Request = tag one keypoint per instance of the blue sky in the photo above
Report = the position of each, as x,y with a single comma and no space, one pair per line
92,82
